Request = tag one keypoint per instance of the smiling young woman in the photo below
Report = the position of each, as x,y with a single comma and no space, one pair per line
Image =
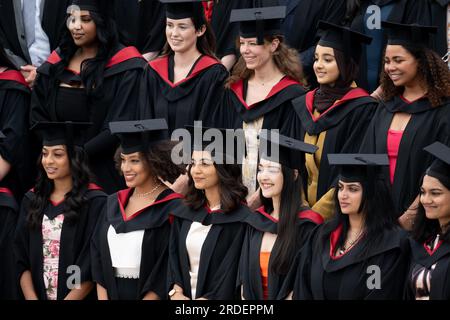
335,262
130,246
335,116
186,81
416,95
279,228
207,232
430,238
91,77
264,81
57,218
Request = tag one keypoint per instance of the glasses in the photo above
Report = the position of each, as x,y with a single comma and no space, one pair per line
269,170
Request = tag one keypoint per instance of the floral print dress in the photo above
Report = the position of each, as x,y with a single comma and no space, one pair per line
51,235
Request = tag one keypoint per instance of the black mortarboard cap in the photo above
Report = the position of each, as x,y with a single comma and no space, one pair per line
227,146
358,167
89,5
344,39
138,136
62,133
440,168
290,151
182,9
259,22
408,34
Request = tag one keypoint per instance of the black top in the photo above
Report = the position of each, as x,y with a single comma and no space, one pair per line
72,104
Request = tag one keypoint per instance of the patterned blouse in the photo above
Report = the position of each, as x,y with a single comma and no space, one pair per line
51,235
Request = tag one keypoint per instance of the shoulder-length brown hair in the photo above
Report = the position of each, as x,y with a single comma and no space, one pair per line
285,58
206,44
433,71
232,190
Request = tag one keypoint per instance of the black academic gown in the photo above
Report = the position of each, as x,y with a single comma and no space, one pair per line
423,257
249,276
154,219
219,259
403,11
123,93
141,23
74,242
14,148
276,108
320,275
344,125
427,125
189,100
53,20
8,218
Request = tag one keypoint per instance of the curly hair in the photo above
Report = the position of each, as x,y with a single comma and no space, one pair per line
232,190
286,59
433,71
73,200
158,161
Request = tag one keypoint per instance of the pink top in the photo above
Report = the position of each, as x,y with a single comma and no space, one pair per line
393,144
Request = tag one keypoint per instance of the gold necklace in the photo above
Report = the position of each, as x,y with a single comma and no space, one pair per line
142,195
350,243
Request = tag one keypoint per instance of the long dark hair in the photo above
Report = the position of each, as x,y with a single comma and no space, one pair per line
433,70
206,44
92,70
377,208
290,205
73,200
232,190
423,228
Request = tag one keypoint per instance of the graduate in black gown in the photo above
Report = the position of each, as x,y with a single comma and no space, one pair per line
361,254
91,77
278,229
14,167
141,24
207,233
186,82
428,277
14,111
335,116
263,83
365,16
131,242
414,113
8,219
57,219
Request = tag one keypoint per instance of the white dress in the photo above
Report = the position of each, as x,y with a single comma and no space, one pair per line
125,250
